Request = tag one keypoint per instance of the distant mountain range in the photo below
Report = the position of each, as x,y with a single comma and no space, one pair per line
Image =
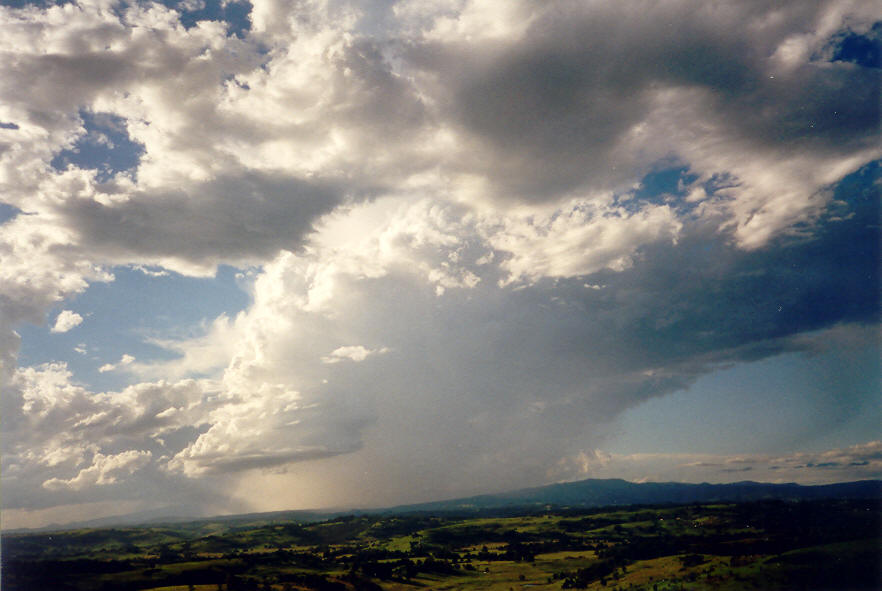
583,494
598,493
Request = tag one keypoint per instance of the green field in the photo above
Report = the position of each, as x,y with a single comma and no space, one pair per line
761,545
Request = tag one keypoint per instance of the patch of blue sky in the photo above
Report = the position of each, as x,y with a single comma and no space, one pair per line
105,147
794,401
235,14
7,212
122,317
863,50
665,181
37,3
665,184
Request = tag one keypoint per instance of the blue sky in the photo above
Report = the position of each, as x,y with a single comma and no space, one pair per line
364,254
792,401
124,315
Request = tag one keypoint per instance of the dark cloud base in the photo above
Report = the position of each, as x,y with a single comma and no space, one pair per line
704,294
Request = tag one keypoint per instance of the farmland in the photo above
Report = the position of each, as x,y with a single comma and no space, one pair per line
824,544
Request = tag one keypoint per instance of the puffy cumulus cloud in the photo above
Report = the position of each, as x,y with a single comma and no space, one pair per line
62,440
125,70
66,320
857,462
39,267
583,464
103,470
39,270
580,239
53,408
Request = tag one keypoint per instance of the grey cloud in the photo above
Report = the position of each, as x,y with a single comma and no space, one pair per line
374,96
81,76
245,212
704,299
231,218
266,458
549,110
820,106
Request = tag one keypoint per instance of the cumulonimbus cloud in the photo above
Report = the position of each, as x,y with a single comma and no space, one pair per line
485,228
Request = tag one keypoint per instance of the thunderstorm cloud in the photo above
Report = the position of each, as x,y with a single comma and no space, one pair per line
474,234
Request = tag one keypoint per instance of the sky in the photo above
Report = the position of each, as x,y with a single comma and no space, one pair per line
328,253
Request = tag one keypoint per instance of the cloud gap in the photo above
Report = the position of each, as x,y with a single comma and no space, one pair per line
104,146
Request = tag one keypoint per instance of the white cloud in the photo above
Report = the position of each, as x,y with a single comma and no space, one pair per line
192,4
151,272
497,376
103,471
39,269
204,354
266,428
355,353
69,440
579,239
125,360
66,320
